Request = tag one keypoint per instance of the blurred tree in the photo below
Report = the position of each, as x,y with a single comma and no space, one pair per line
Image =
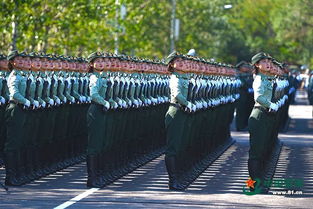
282,28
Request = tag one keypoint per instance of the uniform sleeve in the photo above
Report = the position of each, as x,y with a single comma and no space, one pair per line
176,86
94,86
60,90
76,95
13,84
259,93
67,90
132,91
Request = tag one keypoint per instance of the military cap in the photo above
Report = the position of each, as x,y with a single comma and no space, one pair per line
14,54
172,56
94,55
260,56
241,63
3,57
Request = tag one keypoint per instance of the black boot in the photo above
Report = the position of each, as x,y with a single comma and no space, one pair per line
10,162
30,168
255,168
92,169
37,162
22,162
170,164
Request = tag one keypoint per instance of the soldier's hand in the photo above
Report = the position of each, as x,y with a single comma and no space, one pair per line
36,104
43,104
2,100
27,103
58,101
274,107
106,106
51,102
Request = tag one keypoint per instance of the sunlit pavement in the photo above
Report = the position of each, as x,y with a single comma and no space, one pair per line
220,186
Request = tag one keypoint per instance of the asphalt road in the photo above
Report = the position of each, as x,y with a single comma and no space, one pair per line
220,186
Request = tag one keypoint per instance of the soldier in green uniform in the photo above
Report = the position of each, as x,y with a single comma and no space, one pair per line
33,64
243,106
4,99
310,88
15,119
96,119
176,119
263,115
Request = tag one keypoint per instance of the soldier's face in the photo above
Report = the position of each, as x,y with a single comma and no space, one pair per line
107,64
85,67
50,65
64,65
44,64
27,63
98,64
57,65
264,65
4,65
18,62
35,64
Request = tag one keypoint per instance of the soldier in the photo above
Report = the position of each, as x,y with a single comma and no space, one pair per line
176,118
310,88
96,119
246,102
15,119
263,115
4,99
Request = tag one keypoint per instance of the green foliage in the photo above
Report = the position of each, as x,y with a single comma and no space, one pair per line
282,28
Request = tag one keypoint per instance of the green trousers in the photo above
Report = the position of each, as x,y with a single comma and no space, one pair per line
96,131
15,120
260,128
175,120
2,128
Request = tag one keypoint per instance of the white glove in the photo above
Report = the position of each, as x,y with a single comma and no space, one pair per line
72,99
36,104
189,108
64,100
2,100
274,107
194,108
43,104
27,103
80,99
205,105
84,98
58,101
124,104
115,105
106,105
88,99
51,102
120,103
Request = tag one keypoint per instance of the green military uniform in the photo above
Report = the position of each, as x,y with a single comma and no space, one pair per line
15,119
175,122
4,99
310,89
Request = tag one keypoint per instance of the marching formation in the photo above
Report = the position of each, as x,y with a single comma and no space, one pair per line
203,96
129,98
119,112
270,112
45,119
